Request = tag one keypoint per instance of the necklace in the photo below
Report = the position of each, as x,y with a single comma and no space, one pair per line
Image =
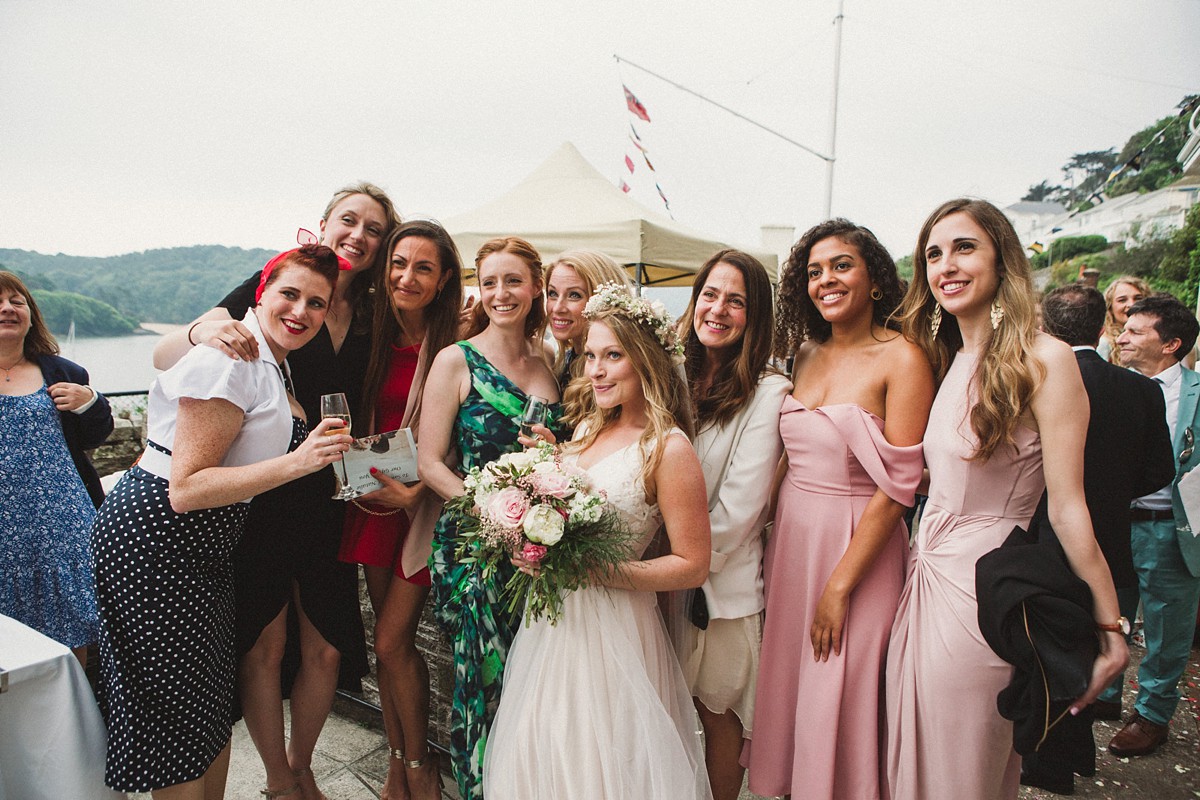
7,370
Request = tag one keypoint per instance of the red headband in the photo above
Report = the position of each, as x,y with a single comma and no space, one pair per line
303,238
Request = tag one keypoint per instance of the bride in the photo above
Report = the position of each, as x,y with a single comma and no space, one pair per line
596,706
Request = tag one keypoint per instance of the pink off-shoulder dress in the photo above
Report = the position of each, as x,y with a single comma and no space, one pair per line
818,730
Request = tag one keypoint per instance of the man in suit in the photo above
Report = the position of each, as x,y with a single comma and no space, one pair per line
1127,454
1159,332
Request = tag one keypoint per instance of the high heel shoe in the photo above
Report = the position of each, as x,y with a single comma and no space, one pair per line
429,758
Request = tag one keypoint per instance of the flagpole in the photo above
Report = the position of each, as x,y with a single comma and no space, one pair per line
837,66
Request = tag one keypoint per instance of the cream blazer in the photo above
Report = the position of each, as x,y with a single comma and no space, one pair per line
739,460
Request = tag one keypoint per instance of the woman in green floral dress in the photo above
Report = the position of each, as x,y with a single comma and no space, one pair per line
490,375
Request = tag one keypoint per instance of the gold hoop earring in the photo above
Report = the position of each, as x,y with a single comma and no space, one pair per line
997,314
876,294
935,320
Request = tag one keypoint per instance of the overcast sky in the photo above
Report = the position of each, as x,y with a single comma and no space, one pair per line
132,125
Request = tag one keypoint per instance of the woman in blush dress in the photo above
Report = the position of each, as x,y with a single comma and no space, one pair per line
835,561
473,399
1123,292
389,531
594,706
1005,425
727,332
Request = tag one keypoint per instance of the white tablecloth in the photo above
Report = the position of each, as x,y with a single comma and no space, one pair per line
51,735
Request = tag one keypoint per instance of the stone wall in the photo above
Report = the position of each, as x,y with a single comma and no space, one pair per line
126,443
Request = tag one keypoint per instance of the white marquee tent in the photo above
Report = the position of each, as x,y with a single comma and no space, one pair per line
567,204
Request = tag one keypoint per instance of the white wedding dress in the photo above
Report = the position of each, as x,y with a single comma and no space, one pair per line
596,707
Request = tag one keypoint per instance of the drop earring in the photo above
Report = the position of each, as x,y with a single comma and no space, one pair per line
935,320
997,314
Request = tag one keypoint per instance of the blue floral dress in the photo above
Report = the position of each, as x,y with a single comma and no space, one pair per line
46,519
466,606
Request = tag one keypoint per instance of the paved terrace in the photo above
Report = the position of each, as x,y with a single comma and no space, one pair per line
351,759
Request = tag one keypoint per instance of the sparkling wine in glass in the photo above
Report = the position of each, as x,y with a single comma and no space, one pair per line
334,406
534,414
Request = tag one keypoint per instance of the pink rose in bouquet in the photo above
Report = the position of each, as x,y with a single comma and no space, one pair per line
507,507
552,484
533,553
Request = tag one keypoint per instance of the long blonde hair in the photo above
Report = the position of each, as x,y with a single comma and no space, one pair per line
668,403
1006,376
1112,328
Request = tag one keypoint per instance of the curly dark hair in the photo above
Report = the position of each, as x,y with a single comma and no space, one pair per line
797,319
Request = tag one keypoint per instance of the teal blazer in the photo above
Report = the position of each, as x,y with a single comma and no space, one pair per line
1189,420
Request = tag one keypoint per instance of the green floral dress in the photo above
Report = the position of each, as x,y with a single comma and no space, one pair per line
465,606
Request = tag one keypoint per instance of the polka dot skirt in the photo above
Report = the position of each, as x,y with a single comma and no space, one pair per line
164,587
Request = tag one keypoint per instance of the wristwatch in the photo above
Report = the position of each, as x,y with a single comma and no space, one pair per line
1121,626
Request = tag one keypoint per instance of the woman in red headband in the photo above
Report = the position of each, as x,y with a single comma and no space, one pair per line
219,432
299,629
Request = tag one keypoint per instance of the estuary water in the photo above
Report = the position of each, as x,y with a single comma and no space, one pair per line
115,363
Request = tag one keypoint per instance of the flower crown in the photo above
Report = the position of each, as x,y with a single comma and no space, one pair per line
651,314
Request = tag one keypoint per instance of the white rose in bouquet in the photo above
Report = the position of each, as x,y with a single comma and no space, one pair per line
543,525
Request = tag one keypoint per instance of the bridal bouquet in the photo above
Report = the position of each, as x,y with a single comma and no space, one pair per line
530,504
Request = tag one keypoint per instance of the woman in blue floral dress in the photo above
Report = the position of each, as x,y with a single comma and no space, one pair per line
489,376
48,489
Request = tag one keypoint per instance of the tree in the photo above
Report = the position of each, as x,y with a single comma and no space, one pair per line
1096,165
1043,192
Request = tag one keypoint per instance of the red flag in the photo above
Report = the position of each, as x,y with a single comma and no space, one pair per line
638,145
635,106
624,187
629,163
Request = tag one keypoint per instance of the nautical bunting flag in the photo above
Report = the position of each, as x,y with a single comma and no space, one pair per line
648,164
629,163
635,106
664,197
625,187
638,145
635,133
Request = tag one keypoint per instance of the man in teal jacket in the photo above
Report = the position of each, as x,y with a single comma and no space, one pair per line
1166,550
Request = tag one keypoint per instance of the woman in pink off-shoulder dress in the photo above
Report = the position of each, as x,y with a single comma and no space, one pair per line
834,563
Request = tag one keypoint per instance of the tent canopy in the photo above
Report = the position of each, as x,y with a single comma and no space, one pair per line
566,204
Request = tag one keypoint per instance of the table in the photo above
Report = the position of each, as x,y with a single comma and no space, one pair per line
52,738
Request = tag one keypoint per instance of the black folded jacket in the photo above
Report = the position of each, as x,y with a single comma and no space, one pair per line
1036,614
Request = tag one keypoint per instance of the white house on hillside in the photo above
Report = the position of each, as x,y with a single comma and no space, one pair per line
1031,220
1120,218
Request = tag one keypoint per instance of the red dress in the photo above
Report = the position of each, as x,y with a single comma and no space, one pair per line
376,541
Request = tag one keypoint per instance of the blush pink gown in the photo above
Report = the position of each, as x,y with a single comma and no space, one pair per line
945,737
818,725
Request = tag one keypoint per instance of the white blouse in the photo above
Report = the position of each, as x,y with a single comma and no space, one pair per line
256,387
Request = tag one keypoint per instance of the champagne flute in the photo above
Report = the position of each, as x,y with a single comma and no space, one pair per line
534,414
334,406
